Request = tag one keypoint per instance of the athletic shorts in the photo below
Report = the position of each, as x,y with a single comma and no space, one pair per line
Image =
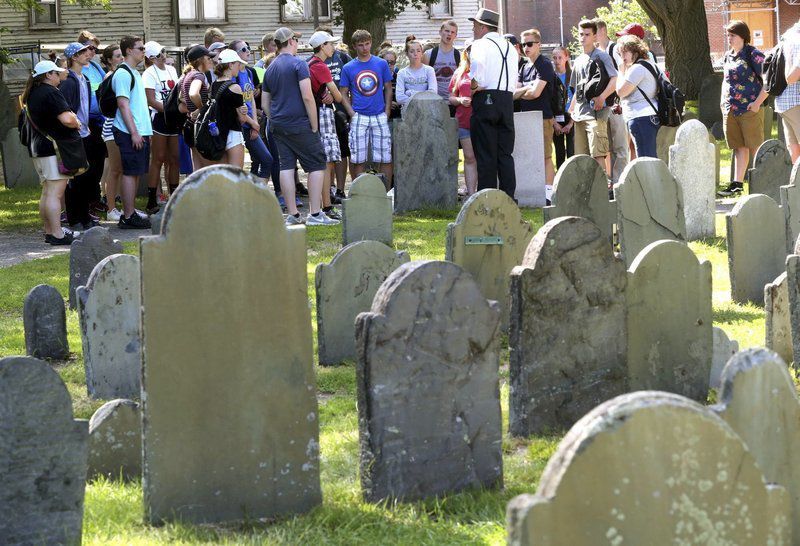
134,162
298,144
235,138
47,169
160,125
370,133
327,134
107,134
744,131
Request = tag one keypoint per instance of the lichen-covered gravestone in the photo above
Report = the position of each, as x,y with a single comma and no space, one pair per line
756,246
109,311
778,326
724,348
692,163
488,239
345,288
759,402
115,440
85,253
670,342
43,453
231,428
665,138
772,167
649,206
425,155
581,189
367,212
529,159
45,322
428,394
568,333
651,468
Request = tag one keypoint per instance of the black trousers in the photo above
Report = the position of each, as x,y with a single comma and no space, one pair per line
492,133
85,189
564,146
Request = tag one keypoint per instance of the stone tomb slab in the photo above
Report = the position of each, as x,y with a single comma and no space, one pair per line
529,159
45,321
367,212
86,252
778,324
724,349
115,441
692,163
428,394
772,169
232,365
345,288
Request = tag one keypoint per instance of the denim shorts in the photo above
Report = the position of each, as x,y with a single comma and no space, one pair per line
463,133
134,162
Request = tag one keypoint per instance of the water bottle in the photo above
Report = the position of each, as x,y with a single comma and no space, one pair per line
591,104
212,128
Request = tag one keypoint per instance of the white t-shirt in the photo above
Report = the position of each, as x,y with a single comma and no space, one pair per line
162,81
635,105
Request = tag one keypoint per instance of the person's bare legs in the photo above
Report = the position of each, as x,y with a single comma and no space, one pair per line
315,182
742,158
357,169
50,207
326,185
234,156
114,174
601,160
794,150
287,190
158,156
386,170
470,166
173,162
128,192
341,173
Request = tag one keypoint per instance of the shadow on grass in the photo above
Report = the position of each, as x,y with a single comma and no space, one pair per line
731,315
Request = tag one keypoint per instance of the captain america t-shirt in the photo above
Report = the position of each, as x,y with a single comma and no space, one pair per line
365,81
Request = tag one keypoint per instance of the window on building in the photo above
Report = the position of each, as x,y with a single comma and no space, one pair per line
441,9
303,10
202,10
47,14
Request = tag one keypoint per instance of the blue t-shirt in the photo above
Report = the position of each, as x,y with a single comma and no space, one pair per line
282,81
365,81
121,84
245,81
95,74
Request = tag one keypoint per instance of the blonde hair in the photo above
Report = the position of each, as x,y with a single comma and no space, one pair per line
532,32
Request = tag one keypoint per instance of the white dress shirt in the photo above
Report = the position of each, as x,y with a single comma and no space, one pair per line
487,66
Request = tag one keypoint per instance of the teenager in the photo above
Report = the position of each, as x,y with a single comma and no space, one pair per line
416,77
112,173
232,113
444,58
563,134
194,94
461,99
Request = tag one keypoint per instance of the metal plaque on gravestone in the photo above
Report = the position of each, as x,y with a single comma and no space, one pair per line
45,322
115,441
85,253
709,99
724,348
692,163
43,454
664,139
428,395
772,168
367,212
425,155
228,357
568,331
529,159
778,324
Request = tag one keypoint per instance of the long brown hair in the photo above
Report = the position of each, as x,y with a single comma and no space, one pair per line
33,81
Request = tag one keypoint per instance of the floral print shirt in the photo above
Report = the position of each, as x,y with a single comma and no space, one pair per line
742,79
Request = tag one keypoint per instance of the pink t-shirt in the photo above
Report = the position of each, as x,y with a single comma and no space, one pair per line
463,113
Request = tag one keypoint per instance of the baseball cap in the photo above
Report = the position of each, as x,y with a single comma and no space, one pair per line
152,49
216,46
512,39
284,33
74,48
228,56
633,29
196,52
320,37
43,67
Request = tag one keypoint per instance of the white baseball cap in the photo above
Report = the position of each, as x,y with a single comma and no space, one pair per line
152,49
43,67
320,37
228,56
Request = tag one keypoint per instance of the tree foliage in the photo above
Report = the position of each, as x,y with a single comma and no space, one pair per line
617,15
372,15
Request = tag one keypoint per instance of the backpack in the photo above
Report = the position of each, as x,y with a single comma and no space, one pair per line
106,98
435,53
671,100
210,147
597,81
558,98
773,71
174,119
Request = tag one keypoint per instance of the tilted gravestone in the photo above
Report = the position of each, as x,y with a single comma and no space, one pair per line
367,212
724,348
86,252
45,322
488,239
109,311
425,155
756,246
670,342
692,163
43,453
581,189
709,99
665,138
772,168
649,206
790,205
778,325
115,440
759,402
651,468
428,394
232,365
529,159
345,288
567,333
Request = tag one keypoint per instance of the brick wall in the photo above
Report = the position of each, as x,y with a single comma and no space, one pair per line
544,15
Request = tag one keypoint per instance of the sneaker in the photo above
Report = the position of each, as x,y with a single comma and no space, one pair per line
66,240
300,189
320,219
63,217
162,199
732,189
97,208
298,203
142,213
332,213
152,208
335,199
340,194
292,220
114,215
134,222
282,203
94,217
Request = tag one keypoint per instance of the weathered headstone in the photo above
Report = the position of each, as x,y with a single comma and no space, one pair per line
367,212
568,331
651,468
772,168
724,348
717,156
581,189
649,206
776,309
793,289
425,155
756,246
155,221
790,205
769,114
232,363
45,321
18,169
488,239
670,342
86,252
109,311
709,99
43,453
115,440
665,138
345,288
529,159
692,163
428,394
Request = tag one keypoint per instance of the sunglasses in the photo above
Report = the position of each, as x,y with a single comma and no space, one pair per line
529,44
244,49
140,48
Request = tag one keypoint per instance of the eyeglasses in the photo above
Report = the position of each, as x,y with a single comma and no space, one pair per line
529,44
140,48
244,49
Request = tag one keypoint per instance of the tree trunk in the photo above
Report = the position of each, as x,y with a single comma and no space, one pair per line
355,19
683,28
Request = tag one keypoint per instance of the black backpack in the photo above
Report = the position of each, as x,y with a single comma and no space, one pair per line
671,100
773,71
106,98
597,81
210,146
174,119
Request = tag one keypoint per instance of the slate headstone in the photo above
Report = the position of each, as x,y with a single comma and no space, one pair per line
86,252
230,363
724,348
529,159
778,325
790,205
428,394
793,289
568,331
18,169
710,99
45,322
665,138
115,441
772,168
43,453
367,212
345,288
692,163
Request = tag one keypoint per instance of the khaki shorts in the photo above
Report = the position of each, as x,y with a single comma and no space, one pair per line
791,125
591,137
548,137
47,169
744,131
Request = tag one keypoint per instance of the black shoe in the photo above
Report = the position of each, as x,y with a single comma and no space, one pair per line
66,240
134,222
335,199
300,189
547,202
340,194
152,208
732,189
85,226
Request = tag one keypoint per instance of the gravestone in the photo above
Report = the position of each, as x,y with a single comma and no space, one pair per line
115,441
529,159
778,325
45,322
86,252
425,155
581,189
665,138
109,312
367,212
428,394
793,289
651,468
232,365
790,205
649,206
43,454
769,115
345,288
709,99
717,156
692,163
772,168
670,342
756,246
18,169
724,348
155,221
759,402
488,239
567,333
